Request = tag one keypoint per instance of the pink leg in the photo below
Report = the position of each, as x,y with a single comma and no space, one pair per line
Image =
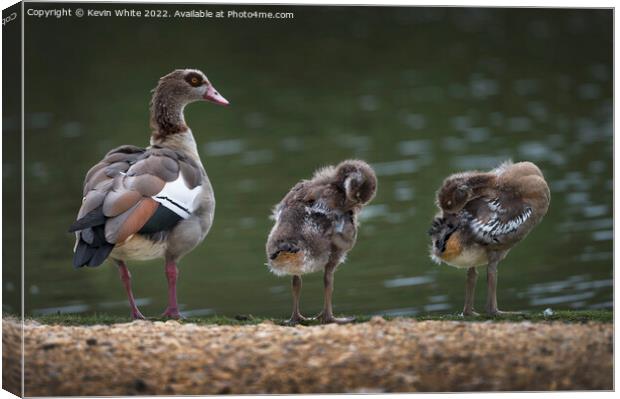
126,279
172,273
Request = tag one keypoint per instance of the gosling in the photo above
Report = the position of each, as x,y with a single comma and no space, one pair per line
316,226
482,216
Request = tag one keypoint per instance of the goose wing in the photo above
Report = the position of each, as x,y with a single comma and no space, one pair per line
133,190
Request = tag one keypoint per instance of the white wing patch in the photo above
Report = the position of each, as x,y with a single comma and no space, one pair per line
319,207
492,229
310,225
338,218
179,198
496,206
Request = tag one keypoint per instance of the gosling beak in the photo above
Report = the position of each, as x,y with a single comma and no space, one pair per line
214,96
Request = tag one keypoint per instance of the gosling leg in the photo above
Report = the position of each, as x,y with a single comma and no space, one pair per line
491,307
296,316
327,315
470,287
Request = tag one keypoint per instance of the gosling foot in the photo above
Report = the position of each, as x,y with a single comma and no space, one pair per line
500,313
470,313
296,319
331,319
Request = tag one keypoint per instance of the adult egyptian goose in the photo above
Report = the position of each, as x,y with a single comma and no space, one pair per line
154,202
482,216
316,225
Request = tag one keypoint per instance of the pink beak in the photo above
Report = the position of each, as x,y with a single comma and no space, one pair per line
215,97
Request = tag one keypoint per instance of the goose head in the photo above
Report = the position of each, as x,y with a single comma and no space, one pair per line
184,86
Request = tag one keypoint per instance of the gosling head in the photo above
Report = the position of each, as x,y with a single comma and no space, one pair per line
454,194
185,86
358,180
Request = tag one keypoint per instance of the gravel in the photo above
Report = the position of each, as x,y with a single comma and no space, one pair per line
401,355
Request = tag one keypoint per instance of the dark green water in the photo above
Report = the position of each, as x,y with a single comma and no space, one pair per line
419,93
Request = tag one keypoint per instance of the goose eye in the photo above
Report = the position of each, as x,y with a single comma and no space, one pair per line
449,203
195,81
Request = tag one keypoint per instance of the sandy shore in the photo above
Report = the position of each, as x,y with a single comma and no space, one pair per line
401,355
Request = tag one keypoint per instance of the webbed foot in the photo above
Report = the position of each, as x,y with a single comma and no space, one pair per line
172,313
136,315
297,319
500,313
470,313
331,319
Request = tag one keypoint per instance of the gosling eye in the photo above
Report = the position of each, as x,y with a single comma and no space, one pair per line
449,203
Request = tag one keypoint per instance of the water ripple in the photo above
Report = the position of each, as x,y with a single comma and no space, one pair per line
390,168
408,281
